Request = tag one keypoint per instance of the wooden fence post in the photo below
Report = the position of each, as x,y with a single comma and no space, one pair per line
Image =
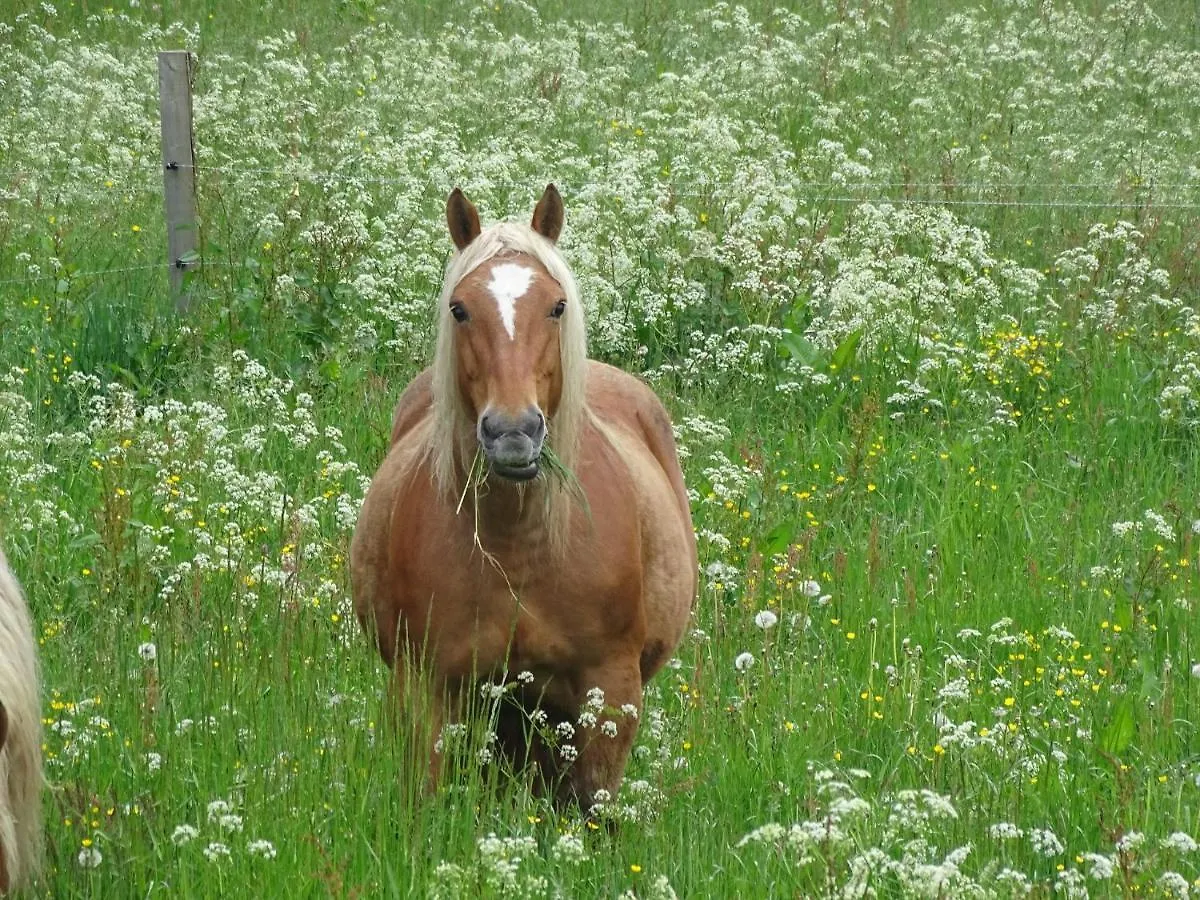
179,168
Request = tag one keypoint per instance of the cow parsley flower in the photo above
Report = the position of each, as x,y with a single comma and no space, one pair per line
216,851
262,848
1045,842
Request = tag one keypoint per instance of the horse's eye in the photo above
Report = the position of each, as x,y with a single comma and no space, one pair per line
459,312
559,308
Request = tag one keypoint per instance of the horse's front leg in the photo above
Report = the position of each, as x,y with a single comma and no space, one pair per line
610,706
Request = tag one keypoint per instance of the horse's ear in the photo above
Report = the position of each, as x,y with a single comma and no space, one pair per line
3,725
548,214
462,219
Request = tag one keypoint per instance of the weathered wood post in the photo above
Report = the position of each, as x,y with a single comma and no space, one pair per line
179,168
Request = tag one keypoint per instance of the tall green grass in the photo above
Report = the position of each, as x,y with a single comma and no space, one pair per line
955,612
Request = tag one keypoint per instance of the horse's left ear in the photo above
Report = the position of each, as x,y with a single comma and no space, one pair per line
548,214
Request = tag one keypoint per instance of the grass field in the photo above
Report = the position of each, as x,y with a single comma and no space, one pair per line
918,282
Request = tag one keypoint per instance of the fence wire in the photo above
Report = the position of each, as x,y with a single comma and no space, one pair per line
832,191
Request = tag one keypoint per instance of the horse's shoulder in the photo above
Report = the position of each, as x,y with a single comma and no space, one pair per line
413,405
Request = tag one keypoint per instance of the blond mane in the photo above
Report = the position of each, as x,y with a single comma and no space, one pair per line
451,438
21,756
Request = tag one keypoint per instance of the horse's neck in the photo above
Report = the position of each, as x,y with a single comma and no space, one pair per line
509,510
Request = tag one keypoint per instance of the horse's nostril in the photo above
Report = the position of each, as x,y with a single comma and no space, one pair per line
487,428
535,426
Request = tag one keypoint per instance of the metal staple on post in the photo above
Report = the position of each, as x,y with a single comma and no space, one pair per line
179,169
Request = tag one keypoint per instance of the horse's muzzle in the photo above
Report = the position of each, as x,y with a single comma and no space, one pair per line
512,445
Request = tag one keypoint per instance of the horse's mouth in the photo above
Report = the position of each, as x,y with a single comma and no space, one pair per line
525,472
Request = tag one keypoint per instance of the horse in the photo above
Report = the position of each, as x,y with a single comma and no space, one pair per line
20,739
530,517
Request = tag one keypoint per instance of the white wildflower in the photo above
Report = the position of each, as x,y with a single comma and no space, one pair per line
218,808
1174,885
1004,831
1045,842
1180,842
262,848
569,848
215,851
1100,867
1130,841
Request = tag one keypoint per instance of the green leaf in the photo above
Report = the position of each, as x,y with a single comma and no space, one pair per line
798,347
778,539
843,356
1120,729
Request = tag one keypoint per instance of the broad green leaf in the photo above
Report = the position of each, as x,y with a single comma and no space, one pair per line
1120,729
778,538
843,356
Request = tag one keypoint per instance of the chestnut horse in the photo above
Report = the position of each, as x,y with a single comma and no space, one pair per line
20,739
530,515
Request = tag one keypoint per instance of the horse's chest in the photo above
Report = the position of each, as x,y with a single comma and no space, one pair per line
517,611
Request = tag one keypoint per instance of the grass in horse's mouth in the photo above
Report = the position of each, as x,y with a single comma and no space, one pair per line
551,468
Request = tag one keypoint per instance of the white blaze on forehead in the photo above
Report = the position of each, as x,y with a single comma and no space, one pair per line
509,283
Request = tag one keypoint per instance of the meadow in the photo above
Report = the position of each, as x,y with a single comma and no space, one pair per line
918,283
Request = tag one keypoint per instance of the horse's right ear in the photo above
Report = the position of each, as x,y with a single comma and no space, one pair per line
3,725
462,219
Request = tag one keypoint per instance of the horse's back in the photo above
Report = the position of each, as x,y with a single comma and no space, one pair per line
412,407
